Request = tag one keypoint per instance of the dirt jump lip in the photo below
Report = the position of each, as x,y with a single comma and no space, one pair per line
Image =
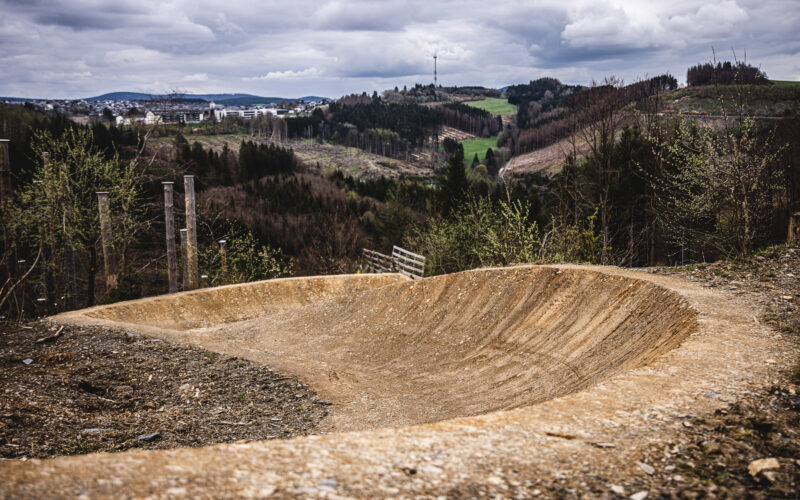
457,377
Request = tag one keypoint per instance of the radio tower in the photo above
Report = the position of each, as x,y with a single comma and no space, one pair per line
435,76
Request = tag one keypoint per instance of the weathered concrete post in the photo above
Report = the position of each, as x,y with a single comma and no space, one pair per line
169,219
192,269
183,258
794,227
107,237
223,257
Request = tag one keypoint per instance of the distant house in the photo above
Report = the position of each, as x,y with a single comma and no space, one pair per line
151,118
183,116
221,114
120,120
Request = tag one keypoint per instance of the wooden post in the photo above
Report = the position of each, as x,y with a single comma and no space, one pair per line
6,193
183,258
5,172
192,269
108,241
223,257
794,227
169,218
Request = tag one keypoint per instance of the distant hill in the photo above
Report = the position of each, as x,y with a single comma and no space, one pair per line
229,99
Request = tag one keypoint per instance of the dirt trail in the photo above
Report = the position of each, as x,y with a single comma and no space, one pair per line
624,355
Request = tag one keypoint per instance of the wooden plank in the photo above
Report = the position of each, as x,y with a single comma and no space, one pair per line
401,260
409,263
376,261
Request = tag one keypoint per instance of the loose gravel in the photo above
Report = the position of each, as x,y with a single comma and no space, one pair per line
81,390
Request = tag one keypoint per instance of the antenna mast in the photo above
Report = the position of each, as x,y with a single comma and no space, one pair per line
435,75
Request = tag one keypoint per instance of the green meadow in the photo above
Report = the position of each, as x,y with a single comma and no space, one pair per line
494,105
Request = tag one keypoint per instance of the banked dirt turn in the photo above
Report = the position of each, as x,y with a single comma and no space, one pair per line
417,352
573,354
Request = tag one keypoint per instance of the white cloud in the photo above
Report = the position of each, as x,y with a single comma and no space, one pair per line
196,77
333,47
286,75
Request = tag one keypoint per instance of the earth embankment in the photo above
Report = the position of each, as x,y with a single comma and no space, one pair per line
390,352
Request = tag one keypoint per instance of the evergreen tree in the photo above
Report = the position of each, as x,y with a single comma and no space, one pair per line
455,183
491,163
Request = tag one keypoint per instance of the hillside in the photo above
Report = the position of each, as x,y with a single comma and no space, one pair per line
705,105
230,99
494,105
548,160
327,157
777,100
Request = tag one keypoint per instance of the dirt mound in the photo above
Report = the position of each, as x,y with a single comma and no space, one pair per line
418,352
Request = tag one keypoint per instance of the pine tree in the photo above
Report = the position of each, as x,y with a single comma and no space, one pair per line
454,184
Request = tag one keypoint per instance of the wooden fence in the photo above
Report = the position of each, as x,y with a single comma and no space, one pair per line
401,260
376,262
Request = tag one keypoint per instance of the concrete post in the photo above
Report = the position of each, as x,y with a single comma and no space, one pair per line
108,240
223,257
169,219
192,269
183,258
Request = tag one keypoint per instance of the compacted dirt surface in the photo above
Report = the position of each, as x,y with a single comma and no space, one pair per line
72,390
715,416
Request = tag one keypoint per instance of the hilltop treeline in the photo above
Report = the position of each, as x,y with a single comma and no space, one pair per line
725,73
543,89
421,94
411,122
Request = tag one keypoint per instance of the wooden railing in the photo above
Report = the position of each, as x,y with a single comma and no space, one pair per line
409,263
401,261
376,262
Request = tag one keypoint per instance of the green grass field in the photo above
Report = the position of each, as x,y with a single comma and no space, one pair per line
494,105
785,83
479,146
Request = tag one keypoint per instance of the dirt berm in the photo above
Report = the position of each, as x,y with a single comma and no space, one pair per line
448,381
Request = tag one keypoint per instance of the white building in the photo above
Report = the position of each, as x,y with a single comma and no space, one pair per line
151,118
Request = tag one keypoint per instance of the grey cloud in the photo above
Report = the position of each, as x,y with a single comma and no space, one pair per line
81,47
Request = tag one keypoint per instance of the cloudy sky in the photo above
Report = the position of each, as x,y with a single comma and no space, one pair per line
79,48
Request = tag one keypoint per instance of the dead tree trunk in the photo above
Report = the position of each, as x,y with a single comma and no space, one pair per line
109,261
169,218
192,269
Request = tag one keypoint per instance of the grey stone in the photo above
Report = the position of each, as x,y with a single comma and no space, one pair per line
646,468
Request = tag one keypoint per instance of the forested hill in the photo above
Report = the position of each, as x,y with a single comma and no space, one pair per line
653,184
229,99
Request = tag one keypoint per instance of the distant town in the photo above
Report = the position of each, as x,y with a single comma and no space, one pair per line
164,109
